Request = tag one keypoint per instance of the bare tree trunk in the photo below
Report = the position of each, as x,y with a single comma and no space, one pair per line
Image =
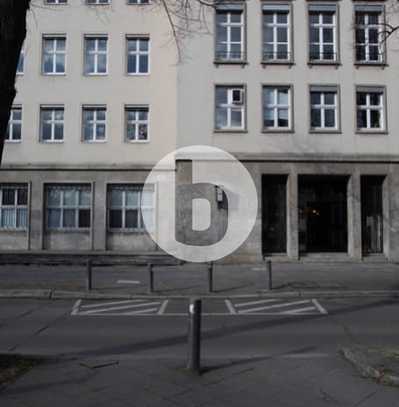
12,35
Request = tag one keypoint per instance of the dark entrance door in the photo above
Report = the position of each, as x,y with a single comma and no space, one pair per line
274,214
372,224
323,213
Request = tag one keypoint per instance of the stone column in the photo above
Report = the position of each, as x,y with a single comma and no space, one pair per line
37,213
354,216
99,216
292,216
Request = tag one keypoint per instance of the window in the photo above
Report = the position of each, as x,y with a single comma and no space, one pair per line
138,53
56,1
21,62
14,129
323,108
138,1
276,107
323,33
136,123
94,123
52,124
54,55
230,33
68,206
230,108
128,205
14,206
276,33
95,2
369,34
96,49
370,109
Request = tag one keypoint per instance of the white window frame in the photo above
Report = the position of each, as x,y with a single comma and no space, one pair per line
62,207
368,108
367,27
138,54
14,122
320,25
56,2
276,107
323,107
15,207
137,122
95,122
54,52
98,2
138,2
53,122
125,207
230,106
228,43
274,10
96,52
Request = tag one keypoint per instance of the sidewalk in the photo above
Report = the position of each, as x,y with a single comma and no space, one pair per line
191,279
278,380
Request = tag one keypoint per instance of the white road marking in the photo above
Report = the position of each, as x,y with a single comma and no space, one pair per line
163,307
128,282
306,355
141,311
244,304
119,308
106,304
230,307
75,308
285,304
299,310
321,309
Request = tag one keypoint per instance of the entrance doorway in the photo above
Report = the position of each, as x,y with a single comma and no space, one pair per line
372,220
274,214
323,225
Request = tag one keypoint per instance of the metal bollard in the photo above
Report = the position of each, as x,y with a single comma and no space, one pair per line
150,278
194,336
89,277
210,277
269,271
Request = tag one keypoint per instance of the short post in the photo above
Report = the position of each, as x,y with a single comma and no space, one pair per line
194,336
150,277
89,277
269,272
210,277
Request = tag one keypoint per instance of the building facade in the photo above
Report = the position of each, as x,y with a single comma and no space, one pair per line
303,93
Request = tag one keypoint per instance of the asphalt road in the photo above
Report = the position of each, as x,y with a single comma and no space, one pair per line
309,329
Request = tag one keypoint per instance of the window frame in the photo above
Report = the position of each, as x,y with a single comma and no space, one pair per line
76,207
231,7
56,2
95,108
323,88
137,53
97,2
15,206
124,187
53,122
231,88
54,53
290,128
139,3
275,7
383,120
21,62
369,8
11,122
317,7
96,37
136,108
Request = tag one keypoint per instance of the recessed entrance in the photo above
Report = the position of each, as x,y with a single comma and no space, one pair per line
323,220
372,220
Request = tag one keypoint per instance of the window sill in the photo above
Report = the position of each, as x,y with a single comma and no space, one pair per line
13,141
228,62
7,230
67,230
219,132
324,131
278,131
381,65
372,132
128,231
51,141
137,141
91,75
138,74
53,74
276,62
94,141
324,63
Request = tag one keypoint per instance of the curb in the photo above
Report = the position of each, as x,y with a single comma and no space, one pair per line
357,358
97,295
